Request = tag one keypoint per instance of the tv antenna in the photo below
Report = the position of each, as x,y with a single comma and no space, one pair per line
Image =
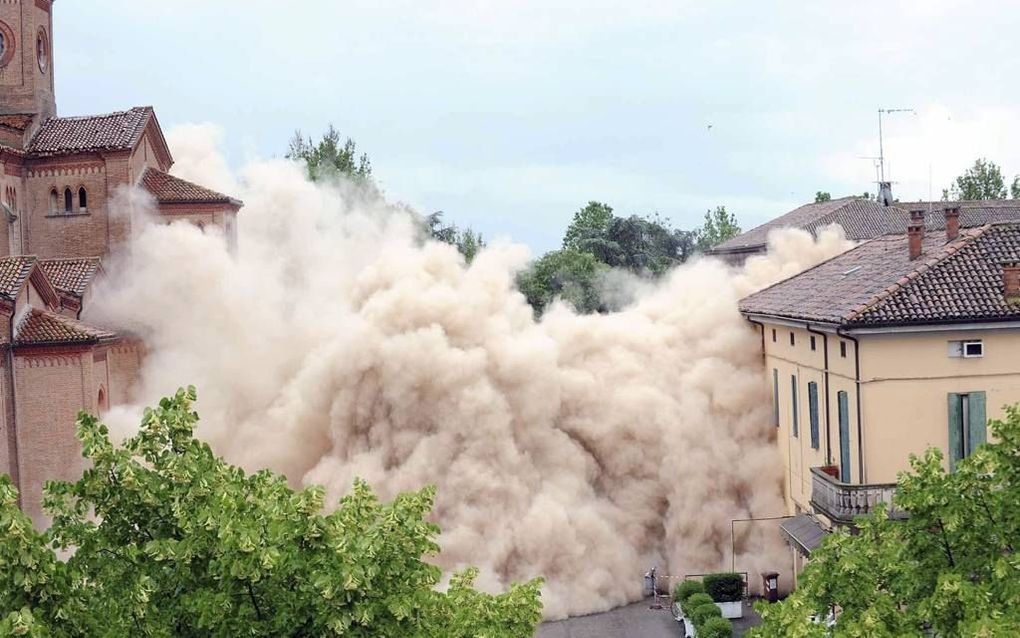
881,151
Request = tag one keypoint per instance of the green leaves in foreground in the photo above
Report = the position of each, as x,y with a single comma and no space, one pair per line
951,569
165,539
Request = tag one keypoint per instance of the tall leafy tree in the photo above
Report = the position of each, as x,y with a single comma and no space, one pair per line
951,569
589,228
467,241
718,227
164,539
1014,188
822,196
983,180
647,245
331,155
569,274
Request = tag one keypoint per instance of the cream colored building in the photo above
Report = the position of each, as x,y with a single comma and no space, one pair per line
902,343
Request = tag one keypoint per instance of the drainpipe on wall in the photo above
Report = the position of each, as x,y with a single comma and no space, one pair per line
857,381
825,351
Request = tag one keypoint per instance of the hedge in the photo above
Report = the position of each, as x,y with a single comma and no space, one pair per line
684,590
703,612
697,600
724,587
715,628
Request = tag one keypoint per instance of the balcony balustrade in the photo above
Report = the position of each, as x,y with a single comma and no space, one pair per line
843,502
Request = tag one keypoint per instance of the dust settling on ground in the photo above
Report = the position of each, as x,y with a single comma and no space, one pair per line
581,448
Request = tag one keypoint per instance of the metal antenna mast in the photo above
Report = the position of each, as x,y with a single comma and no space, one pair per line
881,151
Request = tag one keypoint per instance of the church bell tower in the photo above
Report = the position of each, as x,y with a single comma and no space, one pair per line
26,58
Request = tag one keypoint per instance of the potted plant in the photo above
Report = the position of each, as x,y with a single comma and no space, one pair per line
831,470
716,628
727,592
701,615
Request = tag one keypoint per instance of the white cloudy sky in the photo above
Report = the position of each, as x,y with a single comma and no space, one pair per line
509,115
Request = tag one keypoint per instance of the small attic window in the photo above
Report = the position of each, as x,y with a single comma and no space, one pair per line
851,271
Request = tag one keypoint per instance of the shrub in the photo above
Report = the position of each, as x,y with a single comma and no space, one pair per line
715,628
697,600
684,590
724,588
703,612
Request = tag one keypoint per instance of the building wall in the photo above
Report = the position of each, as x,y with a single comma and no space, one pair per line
82,233
51,388
24,88
124,361
906,382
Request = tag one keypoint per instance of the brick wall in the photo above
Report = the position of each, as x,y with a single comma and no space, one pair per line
51,388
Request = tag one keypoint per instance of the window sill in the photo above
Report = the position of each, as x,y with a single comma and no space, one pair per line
58,215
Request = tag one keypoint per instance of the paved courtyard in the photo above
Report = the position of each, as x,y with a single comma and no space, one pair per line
633,621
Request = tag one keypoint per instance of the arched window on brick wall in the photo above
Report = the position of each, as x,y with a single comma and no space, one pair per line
53,202
68,201
83,200
101,401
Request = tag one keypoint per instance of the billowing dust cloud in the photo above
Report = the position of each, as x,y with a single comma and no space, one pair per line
584,449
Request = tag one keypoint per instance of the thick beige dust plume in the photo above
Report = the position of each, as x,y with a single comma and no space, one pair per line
584,449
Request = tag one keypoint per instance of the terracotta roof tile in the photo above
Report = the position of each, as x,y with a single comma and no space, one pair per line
173,190
864,219
71,275
119,131
42,327
14,271
877,284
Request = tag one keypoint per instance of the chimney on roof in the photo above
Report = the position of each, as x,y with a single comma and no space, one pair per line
1011,282
885,193
915,233
952,222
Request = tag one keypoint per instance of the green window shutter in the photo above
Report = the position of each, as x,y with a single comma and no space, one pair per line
793,395
976,422
775,396
844,436
956,451
812,393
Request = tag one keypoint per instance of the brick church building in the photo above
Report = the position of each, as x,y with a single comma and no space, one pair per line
58,180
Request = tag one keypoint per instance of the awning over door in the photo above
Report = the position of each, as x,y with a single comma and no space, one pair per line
804,532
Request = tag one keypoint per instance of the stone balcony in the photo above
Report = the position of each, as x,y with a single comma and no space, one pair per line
843,502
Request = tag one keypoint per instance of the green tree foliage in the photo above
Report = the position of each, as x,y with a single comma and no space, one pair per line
715,628
950,569
163,538
570,274
983,180
467,241
589,228
822,196
330,157
1014,188
718,227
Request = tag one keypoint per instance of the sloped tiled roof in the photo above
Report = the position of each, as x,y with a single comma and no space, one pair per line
111,132
877,284
71,275
861,219
42,327
173,190
14,271
864,219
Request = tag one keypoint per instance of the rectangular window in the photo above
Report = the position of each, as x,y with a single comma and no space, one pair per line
773,335
812,394
812,343
842,349
793,395
973,349
967,425
775,396
793,339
